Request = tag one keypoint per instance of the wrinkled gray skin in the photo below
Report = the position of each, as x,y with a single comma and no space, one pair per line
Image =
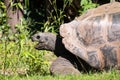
66,63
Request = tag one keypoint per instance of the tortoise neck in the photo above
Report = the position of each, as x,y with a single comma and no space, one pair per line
59,47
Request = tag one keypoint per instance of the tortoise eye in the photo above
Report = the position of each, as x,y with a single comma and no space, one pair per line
38,37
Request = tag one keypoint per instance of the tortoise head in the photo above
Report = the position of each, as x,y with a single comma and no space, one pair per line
46,41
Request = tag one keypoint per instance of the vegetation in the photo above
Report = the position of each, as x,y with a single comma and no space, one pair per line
98,76
17,53
18,58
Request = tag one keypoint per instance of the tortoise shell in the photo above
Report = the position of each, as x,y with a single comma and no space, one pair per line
95,36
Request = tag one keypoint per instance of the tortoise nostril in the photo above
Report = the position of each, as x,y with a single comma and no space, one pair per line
38,37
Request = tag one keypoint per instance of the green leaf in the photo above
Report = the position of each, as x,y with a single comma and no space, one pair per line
26,3
2,5
84,2
20,6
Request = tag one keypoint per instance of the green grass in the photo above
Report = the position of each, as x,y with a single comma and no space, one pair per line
112,75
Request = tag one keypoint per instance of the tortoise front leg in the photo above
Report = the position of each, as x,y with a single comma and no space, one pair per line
63,66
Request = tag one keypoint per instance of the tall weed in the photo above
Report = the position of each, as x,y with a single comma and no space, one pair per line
59,14
18,55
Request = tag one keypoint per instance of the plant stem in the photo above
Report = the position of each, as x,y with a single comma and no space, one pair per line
5,58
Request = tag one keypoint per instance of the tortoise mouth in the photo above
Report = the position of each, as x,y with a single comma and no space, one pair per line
36,45
39,45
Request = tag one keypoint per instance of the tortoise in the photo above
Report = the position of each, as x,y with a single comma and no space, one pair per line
89,42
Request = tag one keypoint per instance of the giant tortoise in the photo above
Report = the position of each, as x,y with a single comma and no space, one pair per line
89,42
